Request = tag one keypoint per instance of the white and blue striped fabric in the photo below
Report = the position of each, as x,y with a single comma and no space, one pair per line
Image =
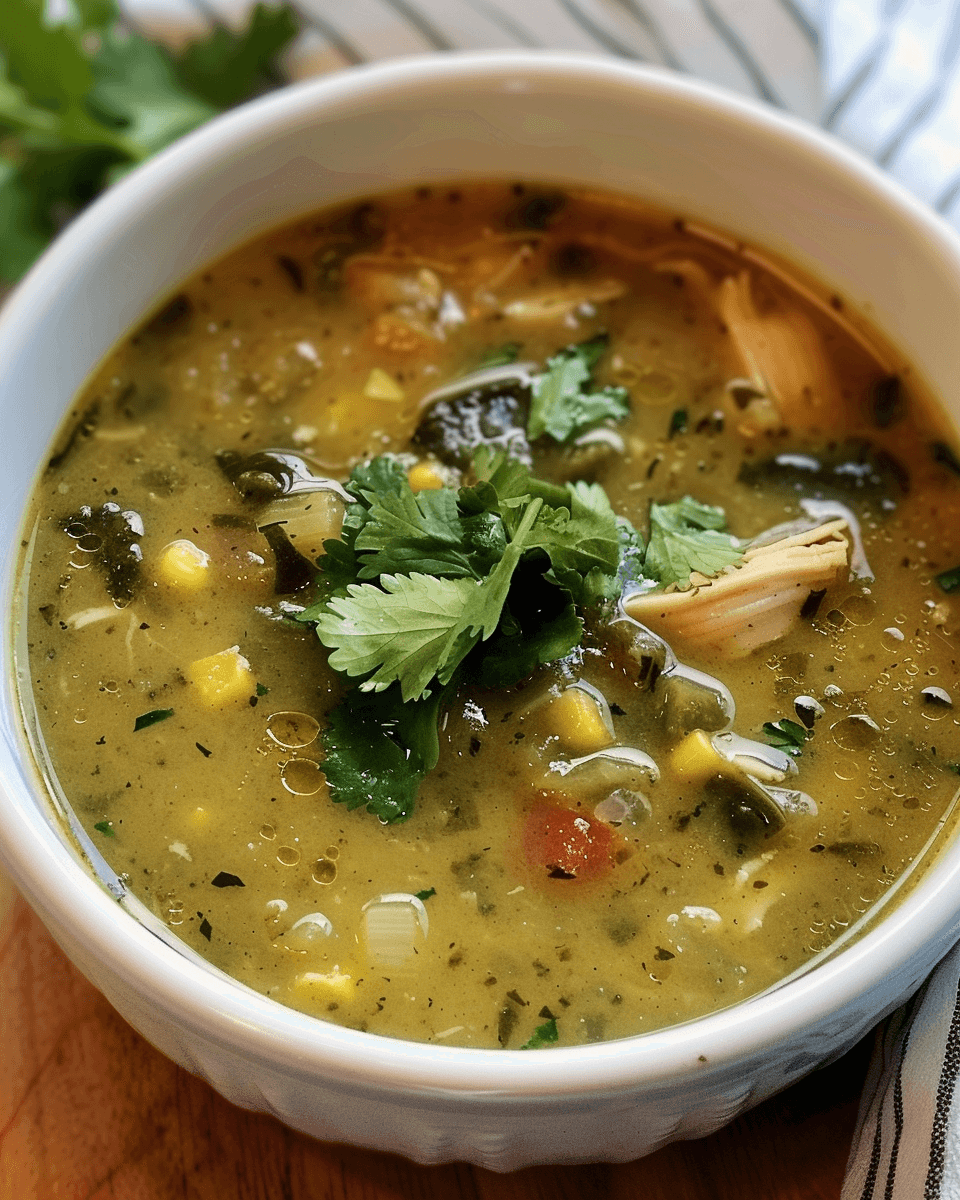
884,75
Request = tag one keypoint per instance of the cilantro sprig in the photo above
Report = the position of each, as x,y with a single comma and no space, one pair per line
424,591
85,99
561,404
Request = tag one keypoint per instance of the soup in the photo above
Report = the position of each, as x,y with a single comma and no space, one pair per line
501,617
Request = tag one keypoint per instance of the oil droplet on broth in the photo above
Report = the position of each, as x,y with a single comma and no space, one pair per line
292,730
301,776
289,856
324,871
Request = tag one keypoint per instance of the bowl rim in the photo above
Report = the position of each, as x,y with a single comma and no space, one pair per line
234,1017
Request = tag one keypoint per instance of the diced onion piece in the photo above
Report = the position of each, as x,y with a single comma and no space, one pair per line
753,602
309,929
393,925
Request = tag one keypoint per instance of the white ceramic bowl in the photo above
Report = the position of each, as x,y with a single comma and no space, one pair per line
556,117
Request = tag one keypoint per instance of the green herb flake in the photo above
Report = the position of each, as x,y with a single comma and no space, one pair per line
106,828
262,691
678,422
544,1035
425,895
145,720
560,407
787,735
949,581
500,356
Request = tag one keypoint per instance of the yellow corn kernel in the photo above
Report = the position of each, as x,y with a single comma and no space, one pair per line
575,717
381,386
423,478
222,679
695,758
183,565
333,985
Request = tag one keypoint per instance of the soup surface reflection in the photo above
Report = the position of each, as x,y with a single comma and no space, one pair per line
628,685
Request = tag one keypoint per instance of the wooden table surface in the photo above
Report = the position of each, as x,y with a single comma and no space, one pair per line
90,1111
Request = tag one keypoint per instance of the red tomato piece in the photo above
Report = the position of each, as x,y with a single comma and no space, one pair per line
566,844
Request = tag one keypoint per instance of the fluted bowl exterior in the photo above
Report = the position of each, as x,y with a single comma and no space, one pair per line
563,118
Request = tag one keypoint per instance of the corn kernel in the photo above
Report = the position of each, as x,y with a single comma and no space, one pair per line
575,717
183,565
695,758
423,478
335,984
381,386
222,679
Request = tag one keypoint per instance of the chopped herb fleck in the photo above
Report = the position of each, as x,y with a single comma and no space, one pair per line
225,879
106,828
949,581
426,894
145,720
678,422
546,1034
206,928
262,691
203,750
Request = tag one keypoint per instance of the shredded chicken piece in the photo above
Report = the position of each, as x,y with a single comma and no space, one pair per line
751,603
781,352
549,306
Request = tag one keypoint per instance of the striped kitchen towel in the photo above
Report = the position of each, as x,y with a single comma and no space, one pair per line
884,75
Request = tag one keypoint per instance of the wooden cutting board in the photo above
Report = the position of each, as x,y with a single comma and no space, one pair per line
90,1111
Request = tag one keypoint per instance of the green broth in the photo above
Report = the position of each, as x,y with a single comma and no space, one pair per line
322,339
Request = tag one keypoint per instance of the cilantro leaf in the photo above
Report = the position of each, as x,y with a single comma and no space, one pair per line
415,627
414,530
410,629
377,749
688,536
787,735
560,407
546,1034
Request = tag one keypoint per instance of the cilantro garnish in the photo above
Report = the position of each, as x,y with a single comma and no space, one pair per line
145,720
560,406
106,828
546,1034
688,536
423,592
425,894
787,735
82,101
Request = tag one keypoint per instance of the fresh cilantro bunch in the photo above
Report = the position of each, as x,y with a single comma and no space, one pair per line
85,100
562,402
425,591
